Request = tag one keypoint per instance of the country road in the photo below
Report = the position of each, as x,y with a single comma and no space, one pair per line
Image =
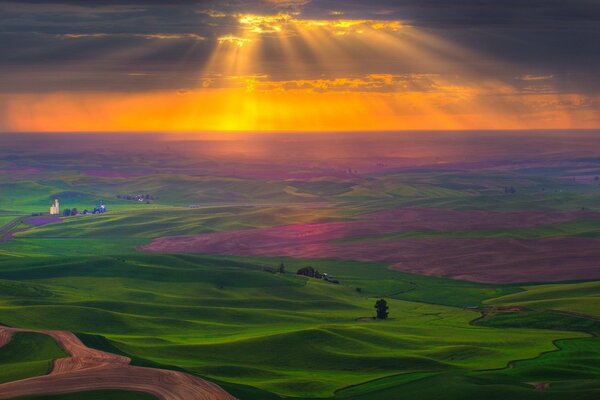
89,369
6,230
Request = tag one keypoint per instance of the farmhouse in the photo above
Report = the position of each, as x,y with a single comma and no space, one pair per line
99,209
55,208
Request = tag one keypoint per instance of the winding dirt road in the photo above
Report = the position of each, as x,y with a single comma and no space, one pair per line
89,369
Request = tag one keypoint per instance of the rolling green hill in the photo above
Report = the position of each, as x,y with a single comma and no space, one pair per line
257,332
578,298
267,336
26,355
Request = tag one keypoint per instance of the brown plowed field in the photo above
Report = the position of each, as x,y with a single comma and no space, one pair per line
500,260
89,369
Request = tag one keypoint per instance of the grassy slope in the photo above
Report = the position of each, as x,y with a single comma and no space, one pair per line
572,371
227,320
33,193
27,355
179,221
222,318
370,279
545,188
87,235
5,219
581,298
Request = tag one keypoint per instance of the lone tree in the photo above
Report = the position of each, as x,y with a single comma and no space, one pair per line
382,309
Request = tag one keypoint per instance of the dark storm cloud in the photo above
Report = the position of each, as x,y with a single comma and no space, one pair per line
542,36
469,13
120,46
431,13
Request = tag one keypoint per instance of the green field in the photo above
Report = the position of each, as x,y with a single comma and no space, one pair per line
264,335
5,219
27,355
136,224
227,320
578,298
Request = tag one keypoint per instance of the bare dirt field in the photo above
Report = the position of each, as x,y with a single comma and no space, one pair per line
501,260
88,369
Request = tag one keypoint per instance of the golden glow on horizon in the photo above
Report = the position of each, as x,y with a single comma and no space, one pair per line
236,109
233,92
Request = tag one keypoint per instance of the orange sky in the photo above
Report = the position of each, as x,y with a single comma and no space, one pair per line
237,109
345,86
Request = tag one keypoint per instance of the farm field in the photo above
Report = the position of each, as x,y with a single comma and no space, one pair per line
221,318
488,265
27,355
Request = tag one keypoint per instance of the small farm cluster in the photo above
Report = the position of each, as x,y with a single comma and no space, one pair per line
100,208
306,271
314,273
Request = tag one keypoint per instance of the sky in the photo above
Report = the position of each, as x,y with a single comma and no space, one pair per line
298,65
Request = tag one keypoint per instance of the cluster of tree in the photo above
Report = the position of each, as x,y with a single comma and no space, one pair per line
100,209
67,212
137,197
510,189
314,273
310,272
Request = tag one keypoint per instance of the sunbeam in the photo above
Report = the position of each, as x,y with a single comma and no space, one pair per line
282,71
